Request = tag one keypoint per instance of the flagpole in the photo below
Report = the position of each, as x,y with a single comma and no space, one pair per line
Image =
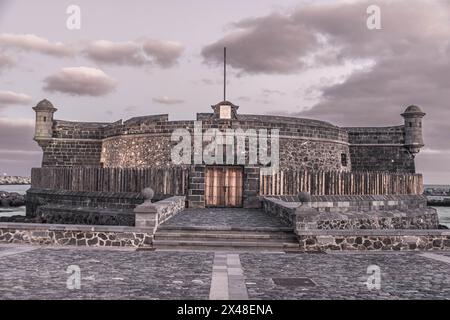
224,74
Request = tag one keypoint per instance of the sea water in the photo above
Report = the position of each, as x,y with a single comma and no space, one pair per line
444,215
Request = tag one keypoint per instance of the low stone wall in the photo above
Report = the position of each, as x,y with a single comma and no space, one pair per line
336,203
148,216
286,211
347,212
60,214
169,207
77,235
381,240
412,219
87,199
81,207
151,215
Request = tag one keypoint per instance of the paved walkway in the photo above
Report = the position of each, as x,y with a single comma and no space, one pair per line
48,273
227,217
227,278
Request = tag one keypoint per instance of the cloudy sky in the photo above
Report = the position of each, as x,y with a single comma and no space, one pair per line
313,59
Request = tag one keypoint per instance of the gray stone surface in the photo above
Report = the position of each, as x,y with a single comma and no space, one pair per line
106,274
40,273
343,276
224,218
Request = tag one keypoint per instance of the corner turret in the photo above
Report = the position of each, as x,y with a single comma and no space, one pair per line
413,129
44,120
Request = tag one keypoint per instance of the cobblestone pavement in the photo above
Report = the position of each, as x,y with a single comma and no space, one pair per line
446,253
106,274
224,218
40,273
344,276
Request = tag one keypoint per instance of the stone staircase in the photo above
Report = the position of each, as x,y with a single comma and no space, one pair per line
225,238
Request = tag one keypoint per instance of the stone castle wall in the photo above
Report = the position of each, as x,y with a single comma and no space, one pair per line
304,143
78,130
379,149
145,141
136,151
71,152
314,155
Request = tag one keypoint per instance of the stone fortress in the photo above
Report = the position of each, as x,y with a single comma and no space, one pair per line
308,144
312,145
336,188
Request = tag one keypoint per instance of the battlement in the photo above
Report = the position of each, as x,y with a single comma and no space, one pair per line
376,135
311,144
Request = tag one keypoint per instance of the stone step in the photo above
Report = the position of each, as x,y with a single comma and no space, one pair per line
225,228
224,245
205,236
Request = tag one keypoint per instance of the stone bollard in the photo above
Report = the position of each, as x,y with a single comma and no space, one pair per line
305,199
146,215
303,213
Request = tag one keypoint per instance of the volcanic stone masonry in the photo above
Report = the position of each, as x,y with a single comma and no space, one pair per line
304,144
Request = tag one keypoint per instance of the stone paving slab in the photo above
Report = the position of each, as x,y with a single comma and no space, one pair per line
344,276
227,279
106,274
226,217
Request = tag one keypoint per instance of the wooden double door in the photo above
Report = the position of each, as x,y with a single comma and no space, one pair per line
223,186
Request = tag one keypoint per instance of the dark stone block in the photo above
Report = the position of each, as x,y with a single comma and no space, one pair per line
437,243
92,241
367,243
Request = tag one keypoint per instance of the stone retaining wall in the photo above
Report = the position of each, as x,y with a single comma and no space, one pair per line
310,241
380,240
81,207
90,216
148,217
92,199
77,235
